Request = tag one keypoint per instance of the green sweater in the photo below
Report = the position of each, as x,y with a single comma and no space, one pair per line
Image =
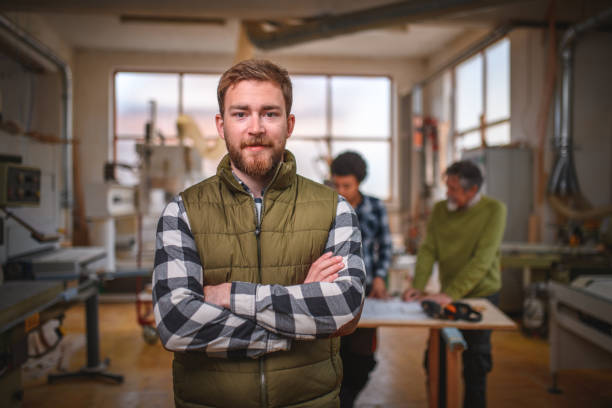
466,245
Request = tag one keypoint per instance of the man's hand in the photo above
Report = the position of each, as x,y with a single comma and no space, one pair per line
379,289
411,295
218,294
325,268
442,298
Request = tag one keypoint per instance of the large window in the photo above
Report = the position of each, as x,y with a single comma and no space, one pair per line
173,94
339,113
482,98
333,114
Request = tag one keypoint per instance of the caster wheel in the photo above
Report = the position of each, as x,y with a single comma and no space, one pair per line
149,334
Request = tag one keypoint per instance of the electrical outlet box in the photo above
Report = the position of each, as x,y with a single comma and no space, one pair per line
19,185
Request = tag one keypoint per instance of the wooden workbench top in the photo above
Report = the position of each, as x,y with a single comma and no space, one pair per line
410,314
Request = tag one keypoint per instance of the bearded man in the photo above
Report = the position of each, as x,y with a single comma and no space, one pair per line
257,270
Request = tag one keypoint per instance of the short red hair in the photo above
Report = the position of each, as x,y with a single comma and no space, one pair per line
257,70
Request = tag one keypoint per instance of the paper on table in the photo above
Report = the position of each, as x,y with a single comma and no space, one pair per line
392,309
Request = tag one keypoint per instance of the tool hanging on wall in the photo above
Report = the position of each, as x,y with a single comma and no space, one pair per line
37,235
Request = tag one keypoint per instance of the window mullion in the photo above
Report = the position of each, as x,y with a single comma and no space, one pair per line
483,116
328,116
180,94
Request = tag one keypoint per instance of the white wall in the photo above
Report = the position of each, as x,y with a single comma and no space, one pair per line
528,55
33,102
592,129
36,26
593,116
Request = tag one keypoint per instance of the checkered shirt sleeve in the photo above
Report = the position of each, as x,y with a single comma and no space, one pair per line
184,320
376,237
311,310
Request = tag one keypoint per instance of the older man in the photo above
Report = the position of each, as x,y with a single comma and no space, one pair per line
464,233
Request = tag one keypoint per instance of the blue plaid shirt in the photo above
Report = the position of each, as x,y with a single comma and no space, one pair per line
375,237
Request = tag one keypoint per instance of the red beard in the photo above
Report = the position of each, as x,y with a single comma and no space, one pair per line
261,164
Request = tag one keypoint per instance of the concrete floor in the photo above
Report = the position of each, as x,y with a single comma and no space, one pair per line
519,379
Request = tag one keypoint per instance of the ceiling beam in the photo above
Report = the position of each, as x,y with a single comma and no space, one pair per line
334,25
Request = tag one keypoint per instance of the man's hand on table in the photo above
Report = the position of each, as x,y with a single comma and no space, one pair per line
379,289
414,295
442,298
411,295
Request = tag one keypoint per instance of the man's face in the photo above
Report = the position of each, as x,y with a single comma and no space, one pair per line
347,187
455,192
255,126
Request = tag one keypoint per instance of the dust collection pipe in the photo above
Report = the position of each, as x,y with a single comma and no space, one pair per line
564,180
29,41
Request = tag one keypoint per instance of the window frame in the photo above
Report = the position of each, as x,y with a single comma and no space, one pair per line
484,124
327,138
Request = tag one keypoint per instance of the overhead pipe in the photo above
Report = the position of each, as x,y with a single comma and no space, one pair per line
66,74
331,26
575,214
563,181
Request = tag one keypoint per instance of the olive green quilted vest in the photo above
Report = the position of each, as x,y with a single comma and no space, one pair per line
297,215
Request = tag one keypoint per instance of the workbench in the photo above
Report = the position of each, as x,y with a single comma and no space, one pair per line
528,256
580,325
48,273
21,306
395,313
57,264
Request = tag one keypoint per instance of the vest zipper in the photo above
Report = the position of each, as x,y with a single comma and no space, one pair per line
262,373
262,383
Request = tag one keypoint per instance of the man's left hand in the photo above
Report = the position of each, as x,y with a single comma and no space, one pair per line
441,298
379,289
218,294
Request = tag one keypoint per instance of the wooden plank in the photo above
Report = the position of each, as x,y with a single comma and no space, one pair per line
453,364
433,378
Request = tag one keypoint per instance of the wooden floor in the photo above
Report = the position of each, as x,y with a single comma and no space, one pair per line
519,379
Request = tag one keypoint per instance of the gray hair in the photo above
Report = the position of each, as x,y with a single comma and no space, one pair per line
468,173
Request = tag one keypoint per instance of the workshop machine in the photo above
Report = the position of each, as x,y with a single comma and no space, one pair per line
40,278
580,325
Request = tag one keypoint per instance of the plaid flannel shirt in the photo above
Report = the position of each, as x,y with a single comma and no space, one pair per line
262,318
375,236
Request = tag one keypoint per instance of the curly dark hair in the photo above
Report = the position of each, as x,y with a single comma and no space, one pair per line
350,163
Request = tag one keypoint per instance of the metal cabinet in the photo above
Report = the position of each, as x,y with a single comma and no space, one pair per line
509,178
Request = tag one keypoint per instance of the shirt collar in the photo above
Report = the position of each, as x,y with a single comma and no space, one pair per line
453,207
244,186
